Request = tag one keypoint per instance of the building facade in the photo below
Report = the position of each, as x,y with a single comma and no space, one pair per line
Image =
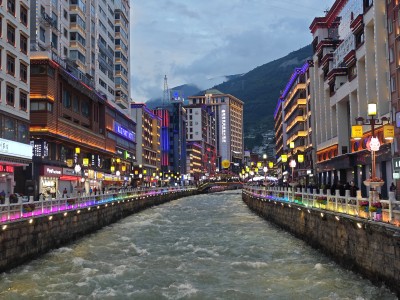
350,71
293,125
15,149
200,130
80,141
228,112
92,37
148,152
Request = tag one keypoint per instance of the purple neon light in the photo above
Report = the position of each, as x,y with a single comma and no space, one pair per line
293,78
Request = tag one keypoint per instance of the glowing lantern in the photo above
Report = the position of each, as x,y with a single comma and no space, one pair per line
356,132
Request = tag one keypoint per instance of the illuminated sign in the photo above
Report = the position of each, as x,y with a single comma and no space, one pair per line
6,169
223,124
52,171
15,149
122,131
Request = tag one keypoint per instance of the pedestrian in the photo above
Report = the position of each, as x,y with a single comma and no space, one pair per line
64,193
90,191
392,187
95,191
103,189
353,189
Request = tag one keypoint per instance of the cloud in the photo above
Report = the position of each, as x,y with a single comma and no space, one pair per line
193,41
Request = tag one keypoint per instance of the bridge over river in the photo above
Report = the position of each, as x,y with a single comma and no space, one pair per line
208,246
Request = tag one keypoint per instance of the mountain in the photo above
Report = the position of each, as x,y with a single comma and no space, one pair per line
182,91
260,89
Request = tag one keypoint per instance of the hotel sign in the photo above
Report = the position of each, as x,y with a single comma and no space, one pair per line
6,169
223,125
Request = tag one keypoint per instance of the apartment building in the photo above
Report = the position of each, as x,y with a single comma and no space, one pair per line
350,71
293,126
200,130
148,147
15,150
91,37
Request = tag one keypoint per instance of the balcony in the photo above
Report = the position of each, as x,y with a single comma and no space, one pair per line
298,103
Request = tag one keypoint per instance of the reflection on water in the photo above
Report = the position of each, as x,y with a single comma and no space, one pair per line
201,247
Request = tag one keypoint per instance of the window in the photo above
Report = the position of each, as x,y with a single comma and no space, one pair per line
23,71
66,99
65,15
10,65
23,15
23,101
10,96
9,129
391,54
65,51
10,34
54,40
75,104
11,7
42,34
85,109
390,25
65,32
23,43
392,84
23,133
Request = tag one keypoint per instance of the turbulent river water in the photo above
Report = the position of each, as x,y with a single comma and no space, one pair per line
201,247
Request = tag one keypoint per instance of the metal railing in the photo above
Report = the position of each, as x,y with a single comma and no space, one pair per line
10,212
387,211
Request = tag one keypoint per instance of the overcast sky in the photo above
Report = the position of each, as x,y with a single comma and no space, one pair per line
200,41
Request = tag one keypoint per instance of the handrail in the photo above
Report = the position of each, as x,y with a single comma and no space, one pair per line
355,206
10,212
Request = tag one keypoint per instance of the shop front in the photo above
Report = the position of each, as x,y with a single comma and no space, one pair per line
49,181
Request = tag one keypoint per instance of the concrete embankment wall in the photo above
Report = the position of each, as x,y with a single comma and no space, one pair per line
22,241
363,246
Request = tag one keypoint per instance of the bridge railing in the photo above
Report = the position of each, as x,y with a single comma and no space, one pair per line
14,211
386,211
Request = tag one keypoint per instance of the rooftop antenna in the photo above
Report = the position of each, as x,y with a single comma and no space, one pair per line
166,91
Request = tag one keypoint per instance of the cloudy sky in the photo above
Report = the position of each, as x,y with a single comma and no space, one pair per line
200,41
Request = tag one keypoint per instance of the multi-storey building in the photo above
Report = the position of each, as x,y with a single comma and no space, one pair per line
393,26
293,123
80,140
92,37
350,71
15,150
200,130
148,151
228,111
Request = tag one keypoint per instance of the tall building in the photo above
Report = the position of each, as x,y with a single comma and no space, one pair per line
228,111
350,71
148,151
393,22
91,37
293,124
200,130
15,150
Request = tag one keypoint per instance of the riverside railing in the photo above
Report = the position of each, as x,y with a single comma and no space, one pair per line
10,212
387,211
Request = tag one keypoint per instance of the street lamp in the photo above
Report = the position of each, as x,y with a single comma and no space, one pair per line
374,144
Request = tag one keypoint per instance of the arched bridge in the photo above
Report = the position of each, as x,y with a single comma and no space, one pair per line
219,186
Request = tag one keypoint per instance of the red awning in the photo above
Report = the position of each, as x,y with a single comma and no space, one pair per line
69,178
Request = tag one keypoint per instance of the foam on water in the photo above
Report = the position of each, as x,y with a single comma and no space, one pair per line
200,247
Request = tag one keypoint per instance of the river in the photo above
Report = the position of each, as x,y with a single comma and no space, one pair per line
201,247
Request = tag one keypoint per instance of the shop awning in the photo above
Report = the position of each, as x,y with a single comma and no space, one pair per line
69,178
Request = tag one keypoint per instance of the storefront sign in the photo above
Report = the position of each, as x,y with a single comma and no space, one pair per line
122,131
396,164
40,148
52,171
6,169
15,149
67,171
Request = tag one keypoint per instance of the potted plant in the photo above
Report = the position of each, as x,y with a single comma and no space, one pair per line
29,207
321,200
297,197
364,206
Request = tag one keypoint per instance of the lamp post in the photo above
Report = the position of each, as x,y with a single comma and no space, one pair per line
374,144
